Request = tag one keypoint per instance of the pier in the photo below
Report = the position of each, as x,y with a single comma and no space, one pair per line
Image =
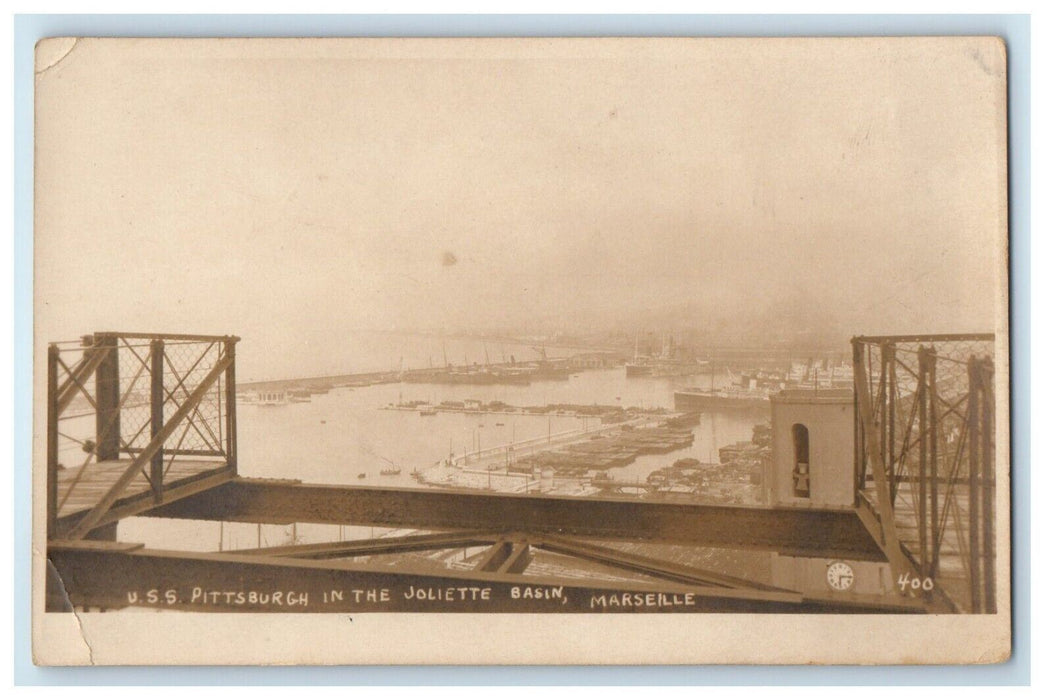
175,456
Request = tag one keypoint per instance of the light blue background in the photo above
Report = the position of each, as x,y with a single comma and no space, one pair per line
1015,29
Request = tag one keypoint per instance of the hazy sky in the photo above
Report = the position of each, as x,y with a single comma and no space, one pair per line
280,189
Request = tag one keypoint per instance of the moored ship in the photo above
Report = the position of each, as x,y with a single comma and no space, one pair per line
752,391
672,362
696,400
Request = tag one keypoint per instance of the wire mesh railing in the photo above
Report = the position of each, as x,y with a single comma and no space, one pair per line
123,406
924,460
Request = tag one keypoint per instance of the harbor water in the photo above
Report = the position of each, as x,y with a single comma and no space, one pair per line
351,435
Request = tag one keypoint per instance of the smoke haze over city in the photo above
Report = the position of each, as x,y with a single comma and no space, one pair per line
752,193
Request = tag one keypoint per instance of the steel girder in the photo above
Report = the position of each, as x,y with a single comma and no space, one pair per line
115,575
812,533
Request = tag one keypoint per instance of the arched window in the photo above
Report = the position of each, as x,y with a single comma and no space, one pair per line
801,462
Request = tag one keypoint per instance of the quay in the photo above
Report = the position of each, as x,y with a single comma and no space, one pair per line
523,372
325,382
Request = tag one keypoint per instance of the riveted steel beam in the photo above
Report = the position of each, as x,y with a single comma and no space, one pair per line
815,533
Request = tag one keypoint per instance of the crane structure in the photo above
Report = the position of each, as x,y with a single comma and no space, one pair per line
145,425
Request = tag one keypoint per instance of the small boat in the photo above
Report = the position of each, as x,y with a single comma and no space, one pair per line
429,411
500,425
393,471
362,475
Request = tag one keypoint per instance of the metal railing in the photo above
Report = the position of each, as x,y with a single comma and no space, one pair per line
924,461
136,398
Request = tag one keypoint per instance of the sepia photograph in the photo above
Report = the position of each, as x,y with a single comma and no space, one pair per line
609,350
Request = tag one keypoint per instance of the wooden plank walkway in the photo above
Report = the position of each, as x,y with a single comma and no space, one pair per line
79,492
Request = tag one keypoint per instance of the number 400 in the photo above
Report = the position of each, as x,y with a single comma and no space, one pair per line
914,583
